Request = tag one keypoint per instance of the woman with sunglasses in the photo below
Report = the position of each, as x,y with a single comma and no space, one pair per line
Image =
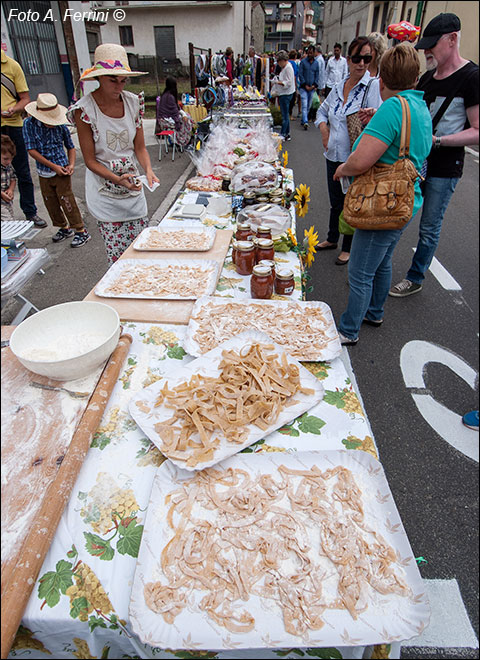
345,98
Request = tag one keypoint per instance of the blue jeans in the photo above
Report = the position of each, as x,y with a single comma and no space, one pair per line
284,102
306,98
22,170
369,277
437,193
337,198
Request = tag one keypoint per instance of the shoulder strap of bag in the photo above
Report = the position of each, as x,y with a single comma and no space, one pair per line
404,151
365,93
10,86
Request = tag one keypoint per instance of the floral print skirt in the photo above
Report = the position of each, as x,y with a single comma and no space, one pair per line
117,236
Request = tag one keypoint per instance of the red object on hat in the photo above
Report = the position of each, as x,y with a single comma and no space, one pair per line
403,31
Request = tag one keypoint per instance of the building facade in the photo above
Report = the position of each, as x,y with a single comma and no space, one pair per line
283,25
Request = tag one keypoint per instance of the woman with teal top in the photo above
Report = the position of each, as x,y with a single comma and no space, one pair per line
370,265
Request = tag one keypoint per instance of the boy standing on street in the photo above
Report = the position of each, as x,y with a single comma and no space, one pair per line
46,137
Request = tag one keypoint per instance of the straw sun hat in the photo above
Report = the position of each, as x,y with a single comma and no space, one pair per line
110,60
47,110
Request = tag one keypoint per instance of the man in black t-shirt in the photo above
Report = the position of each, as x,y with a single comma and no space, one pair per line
450,89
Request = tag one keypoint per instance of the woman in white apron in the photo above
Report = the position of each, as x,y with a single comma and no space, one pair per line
109,126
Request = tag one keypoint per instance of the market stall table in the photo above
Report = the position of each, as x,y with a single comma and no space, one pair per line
16,277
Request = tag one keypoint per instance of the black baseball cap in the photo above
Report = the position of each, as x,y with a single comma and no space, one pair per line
441,24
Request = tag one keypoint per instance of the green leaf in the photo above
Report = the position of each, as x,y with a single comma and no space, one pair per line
96,622
79,605
334,398
82,496
100,441
325,654
72,552
55,582
97,547
289,430
310,424
129,543
351,444
93,514
131,361
348,381
176,352
251,449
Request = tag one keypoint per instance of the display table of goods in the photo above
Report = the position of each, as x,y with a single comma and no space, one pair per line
290,545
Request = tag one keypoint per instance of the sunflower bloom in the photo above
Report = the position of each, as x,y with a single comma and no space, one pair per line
309,243
285,158
302,197
292,237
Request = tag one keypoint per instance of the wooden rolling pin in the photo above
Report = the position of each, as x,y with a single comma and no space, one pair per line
17,591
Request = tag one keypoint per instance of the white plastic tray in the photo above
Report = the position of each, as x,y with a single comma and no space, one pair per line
147,416
143,242
219,329
209,267
388,617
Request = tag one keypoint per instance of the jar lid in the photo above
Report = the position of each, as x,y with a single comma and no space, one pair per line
243,225
263,228
267,262
262,271
244,246
262,198
284,274
226,176
264,243
249,195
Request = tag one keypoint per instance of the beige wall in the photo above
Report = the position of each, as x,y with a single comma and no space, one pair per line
214,27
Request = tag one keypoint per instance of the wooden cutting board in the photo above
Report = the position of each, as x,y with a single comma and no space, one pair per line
45,436
164,311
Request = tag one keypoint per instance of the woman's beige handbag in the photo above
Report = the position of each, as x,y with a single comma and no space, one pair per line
383,196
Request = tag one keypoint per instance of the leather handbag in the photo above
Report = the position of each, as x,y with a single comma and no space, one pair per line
384,195
354,125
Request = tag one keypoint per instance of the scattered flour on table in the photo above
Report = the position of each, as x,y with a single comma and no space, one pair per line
67,348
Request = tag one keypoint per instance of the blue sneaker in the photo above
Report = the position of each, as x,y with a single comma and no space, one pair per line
80,238
470,420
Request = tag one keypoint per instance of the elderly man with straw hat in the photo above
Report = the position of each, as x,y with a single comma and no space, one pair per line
109,125
46,138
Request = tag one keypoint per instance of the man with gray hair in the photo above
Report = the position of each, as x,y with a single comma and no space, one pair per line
450,88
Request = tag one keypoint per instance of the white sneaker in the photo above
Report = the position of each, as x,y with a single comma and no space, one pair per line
345,341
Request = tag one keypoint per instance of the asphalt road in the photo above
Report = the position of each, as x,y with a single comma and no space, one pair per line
435,486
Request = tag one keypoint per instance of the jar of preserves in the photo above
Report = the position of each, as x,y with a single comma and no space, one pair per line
264,232
262,199
249,199
261,285
271,264
265,249
234,249
284,282
244,232
226,183
244,257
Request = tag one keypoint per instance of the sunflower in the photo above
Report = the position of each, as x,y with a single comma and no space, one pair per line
292,237
285,158
309,243
302,198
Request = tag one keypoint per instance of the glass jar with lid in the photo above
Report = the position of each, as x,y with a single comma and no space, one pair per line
244,257
263,231
271,264
265,249
249,199
261,285
244,232
284,282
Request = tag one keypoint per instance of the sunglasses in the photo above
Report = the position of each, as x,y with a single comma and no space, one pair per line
356,59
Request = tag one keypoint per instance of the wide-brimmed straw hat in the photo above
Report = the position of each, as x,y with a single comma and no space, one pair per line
47,110
110,60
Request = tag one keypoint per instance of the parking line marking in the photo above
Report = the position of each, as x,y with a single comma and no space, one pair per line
449,625
442,275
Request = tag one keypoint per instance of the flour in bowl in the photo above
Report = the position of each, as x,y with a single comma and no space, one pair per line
64,348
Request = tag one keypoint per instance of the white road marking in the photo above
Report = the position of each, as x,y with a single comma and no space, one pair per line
442,275
449,626
472,151
448,424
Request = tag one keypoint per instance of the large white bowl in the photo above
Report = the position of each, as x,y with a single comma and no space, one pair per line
61,323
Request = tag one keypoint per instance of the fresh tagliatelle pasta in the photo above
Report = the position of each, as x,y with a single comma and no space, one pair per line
176,239
296,538
162,280
253,387
302,330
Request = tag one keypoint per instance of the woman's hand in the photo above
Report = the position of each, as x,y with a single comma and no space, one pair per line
128,181
151,178
365,114
339,172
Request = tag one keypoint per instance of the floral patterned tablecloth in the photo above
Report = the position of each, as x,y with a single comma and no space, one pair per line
79,605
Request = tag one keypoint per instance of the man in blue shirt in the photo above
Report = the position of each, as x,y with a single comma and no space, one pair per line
46,137
309,78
